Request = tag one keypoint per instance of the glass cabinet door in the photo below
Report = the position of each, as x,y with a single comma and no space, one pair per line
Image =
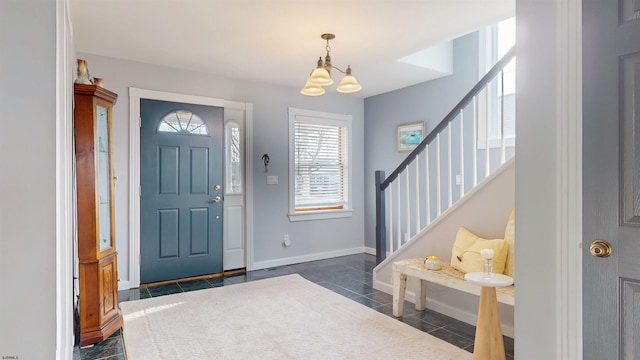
104,177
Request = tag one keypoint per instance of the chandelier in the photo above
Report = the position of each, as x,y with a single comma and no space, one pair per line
321,76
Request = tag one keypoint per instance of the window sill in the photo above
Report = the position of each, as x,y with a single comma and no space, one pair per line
320,215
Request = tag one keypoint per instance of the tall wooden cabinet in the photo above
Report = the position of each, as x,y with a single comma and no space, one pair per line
98,273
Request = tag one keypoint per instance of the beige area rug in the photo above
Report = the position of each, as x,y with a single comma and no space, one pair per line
285,317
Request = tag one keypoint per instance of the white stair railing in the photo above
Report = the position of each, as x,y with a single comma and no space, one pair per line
424,185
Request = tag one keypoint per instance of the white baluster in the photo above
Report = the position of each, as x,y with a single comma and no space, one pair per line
439,193
461,153
427,181
399,227
502,142
486,133
408,205
474,153
449,167
390,230
417,194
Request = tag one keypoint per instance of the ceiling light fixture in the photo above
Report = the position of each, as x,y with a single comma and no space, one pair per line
321,76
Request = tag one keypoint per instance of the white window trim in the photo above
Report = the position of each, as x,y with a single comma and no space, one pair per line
326,118
486,36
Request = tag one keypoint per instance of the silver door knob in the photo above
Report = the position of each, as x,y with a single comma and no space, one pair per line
217,199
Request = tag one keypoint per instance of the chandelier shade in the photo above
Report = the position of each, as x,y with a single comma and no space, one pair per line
349,84
321,75
311,89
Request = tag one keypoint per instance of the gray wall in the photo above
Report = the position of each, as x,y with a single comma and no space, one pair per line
28,179
429,102
270,119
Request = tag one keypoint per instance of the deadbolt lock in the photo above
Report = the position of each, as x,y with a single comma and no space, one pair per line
600,248
216,188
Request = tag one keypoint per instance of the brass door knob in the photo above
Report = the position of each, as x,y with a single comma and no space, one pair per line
217,199
600,248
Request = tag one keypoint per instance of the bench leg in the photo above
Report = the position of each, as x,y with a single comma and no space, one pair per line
399,286
421,296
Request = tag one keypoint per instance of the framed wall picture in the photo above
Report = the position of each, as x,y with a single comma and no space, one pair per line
410,135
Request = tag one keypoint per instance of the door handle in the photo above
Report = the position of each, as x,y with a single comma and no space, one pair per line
216,199
600,248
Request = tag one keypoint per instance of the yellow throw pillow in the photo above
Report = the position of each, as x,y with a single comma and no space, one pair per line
510,238
464,240
466,252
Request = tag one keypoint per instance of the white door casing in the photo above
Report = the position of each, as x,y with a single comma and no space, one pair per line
548,180
241,247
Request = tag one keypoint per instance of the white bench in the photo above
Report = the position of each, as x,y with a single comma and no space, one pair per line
447,276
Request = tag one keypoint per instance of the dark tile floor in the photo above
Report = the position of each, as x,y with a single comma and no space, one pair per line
350,276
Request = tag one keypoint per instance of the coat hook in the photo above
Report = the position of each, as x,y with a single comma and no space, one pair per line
265,159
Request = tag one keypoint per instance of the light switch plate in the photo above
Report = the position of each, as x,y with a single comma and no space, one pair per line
272,180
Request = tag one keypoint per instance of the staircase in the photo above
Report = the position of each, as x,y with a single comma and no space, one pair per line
459,175
449,163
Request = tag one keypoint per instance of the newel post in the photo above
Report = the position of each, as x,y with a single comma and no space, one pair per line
381,228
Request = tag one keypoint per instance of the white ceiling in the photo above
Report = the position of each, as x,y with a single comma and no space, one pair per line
278,41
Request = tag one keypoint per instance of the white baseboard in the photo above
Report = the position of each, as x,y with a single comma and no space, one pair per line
124,285
369,250
305,258
443,308
258,265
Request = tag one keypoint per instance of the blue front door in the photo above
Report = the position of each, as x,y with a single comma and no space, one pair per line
181,165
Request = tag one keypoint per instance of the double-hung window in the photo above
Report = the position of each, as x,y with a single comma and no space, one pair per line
319,165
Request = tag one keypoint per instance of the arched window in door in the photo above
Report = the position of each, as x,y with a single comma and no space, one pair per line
183,122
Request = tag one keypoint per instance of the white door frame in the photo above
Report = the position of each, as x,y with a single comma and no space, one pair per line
135,94
66,255
556,47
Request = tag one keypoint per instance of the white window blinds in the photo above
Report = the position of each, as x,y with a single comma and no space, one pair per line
320,155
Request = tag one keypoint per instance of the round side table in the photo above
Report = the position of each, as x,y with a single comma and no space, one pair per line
488,342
